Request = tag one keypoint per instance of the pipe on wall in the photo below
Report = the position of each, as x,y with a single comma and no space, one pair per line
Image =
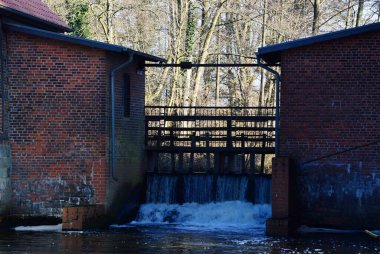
113,120
278,81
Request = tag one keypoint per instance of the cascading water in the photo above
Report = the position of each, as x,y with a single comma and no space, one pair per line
161,189
198,189
204,188
208,201
262,190
231,188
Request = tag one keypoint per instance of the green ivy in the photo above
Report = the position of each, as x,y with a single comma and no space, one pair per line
78,17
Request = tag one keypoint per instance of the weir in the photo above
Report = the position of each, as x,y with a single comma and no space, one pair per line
206,188
208,166
207,202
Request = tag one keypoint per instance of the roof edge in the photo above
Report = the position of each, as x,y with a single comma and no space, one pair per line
270,53
38,20
80,41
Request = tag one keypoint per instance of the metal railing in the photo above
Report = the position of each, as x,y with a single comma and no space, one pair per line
209,129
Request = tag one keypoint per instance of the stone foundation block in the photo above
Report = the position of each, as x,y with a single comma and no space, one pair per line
83,217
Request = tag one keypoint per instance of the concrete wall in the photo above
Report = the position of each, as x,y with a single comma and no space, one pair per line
330,127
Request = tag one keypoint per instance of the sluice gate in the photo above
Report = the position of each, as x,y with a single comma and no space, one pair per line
216,140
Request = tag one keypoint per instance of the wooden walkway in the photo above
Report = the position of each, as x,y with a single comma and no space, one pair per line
222,135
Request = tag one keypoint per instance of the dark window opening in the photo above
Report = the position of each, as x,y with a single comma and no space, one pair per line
127,95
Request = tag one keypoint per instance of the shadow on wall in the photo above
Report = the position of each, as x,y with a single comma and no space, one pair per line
126,202
339,194
5,180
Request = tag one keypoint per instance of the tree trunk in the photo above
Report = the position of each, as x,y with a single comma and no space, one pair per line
316,16
189,48
348,17
204,53
217,81
109,21
263,38
360,13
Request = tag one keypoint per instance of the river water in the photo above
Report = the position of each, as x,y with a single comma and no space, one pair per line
224,227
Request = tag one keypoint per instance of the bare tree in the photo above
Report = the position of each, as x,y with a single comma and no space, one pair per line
360,12
215,31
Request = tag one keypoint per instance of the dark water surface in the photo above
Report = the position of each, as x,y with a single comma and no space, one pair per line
171,239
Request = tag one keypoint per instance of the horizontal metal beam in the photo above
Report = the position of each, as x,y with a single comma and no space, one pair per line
150,173
189,65
209,129
211,140
232,150
209,107
212,118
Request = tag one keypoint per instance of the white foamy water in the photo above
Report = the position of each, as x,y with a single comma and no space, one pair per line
42,228
222,215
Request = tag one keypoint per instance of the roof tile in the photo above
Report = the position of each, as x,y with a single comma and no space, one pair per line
35,8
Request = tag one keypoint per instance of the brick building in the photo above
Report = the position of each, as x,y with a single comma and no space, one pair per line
69,146
329,128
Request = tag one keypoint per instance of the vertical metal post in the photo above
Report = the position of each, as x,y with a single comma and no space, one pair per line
208,163
229,145
242,154
157,154
172,155
252,164
193,144
263,154
278,81
180,162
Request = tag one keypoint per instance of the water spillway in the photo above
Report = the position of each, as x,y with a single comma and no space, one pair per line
206,188
206,201
220,215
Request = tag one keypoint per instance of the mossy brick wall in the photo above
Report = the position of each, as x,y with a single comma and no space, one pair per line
125,194
5,180
330,102
59,97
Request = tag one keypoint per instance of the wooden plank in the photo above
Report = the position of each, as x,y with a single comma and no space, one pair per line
252,164
231,162
216,163
208,162
243,154
180,163
193,145
210,129
211,139
256,150
172,155
263,155
211,118
147,108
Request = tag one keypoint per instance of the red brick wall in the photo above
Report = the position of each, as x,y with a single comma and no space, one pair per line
330,102
57,125
280,188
